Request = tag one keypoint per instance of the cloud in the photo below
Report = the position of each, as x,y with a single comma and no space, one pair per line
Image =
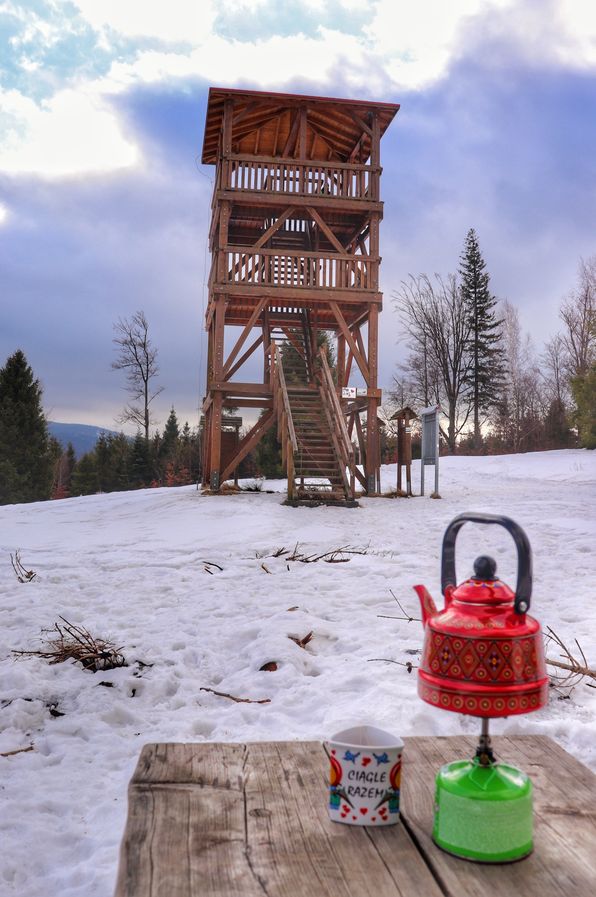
177,21
74,130
74,133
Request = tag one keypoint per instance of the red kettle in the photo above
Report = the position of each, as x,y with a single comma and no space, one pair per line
483,654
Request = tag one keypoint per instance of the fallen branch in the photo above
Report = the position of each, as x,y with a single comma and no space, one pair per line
576,670
18,751
334,556
21,574
223,694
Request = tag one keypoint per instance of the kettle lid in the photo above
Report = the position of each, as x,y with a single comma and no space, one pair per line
483,587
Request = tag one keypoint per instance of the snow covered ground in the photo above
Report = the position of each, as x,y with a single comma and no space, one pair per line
131,566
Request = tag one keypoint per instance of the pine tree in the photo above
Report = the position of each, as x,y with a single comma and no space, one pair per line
84,478
584,394
140,473
171,434
26,455
486,368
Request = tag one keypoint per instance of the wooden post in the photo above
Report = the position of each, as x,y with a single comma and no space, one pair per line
372,424
341,361
218,360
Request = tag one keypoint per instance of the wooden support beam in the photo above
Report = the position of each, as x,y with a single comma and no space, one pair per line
341,360
215,442
326,229
360,122
242,113
241,389
245,356
372,423
357,147
240,402
360,434
332,152
359,340
272,229
349,367
297,296
302,137
291,141
276,138
350,341
241,339
360,231
345,204
254,435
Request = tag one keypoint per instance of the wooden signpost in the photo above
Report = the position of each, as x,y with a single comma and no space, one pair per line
404,418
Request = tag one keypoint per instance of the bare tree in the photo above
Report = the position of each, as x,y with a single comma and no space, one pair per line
522,409
438,328
554,362
138,357
578,314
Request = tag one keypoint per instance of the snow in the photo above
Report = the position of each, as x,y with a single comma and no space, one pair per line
131,566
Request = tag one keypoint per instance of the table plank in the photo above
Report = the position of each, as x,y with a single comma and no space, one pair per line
231,820
564,857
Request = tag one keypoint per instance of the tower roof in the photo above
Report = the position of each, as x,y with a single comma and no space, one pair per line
263,124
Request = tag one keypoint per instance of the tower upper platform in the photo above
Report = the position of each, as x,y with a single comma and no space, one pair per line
263,122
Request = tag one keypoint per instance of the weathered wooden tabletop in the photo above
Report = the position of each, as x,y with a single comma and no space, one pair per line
242,820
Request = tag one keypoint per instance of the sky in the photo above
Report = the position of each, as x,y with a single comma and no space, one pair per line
104,205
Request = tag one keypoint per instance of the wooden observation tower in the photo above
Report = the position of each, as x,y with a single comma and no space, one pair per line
294,242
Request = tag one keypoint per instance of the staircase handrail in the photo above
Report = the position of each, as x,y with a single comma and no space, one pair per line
329,395
280,387
286,432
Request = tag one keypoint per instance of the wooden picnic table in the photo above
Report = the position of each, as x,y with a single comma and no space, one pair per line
250,820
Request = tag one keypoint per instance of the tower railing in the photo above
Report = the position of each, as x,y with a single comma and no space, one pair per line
343,180
299,268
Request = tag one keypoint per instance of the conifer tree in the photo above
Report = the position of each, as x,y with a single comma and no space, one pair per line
84,478
486,366
26,455
140,474
171,433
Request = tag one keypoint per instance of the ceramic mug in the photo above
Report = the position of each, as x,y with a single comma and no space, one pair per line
364,776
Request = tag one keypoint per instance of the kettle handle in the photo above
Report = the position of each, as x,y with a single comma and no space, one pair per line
523,589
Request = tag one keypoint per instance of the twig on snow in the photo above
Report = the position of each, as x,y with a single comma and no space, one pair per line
302,642
405,615
407,663
223,694
21,573
24,750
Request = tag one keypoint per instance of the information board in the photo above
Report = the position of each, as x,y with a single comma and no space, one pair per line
429,452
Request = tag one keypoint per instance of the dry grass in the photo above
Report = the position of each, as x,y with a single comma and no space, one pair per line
70,642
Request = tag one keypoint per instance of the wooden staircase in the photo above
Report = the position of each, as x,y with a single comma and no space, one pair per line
321,470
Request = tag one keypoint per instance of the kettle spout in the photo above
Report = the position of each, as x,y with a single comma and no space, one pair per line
427,605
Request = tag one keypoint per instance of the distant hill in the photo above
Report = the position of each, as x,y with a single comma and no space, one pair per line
82,436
